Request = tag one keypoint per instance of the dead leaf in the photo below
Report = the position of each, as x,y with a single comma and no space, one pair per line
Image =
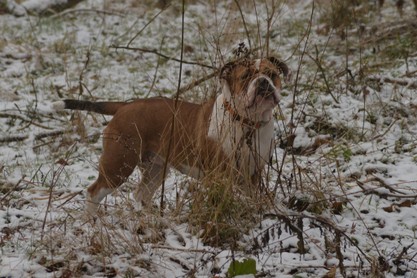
406,204
62,161
337,207
392,208
331,273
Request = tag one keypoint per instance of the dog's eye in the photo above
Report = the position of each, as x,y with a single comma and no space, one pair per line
273,76
245,76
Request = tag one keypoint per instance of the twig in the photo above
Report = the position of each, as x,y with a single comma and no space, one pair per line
146,25
409,74
87,11
156,71
321,69
368,230
368,191
244,23
49,134
156,52
400,256
69,196
198,82
12,189
386,131
328,223
339,254
322,220
168,154
390,30
270,17
205,78
295,88
299,232
18,138
81,77
385,185
181,263
257,24
183,249
15,138
23,119
55,176
60,197
406,83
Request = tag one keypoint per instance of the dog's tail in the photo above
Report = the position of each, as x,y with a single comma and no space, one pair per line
105,108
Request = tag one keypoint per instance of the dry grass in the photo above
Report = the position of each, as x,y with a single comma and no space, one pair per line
303,191
221,211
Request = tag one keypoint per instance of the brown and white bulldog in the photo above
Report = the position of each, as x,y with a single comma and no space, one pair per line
233,131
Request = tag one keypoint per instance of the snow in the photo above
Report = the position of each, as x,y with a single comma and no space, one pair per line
366,166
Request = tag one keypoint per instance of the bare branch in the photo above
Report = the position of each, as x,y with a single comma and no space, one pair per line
18,138
156,52
402,82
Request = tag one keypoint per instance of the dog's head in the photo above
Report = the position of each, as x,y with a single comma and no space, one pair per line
253,86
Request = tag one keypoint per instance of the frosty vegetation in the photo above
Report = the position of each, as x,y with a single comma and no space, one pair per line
338,200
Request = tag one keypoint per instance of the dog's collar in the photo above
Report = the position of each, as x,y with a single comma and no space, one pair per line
245,121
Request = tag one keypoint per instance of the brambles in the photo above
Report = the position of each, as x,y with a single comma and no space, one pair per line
338,199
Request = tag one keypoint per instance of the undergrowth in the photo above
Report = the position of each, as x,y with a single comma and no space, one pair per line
315,183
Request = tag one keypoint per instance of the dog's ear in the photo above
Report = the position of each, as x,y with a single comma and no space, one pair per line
282,67
226,70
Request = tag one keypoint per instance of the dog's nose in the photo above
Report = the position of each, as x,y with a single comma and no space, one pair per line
264,88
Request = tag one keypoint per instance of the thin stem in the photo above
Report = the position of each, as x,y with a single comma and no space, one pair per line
174,112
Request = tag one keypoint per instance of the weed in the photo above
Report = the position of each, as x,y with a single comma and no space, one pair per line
222,210
322,210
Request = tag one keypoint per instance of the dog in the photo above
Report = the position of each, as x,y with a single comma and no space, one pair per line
234,130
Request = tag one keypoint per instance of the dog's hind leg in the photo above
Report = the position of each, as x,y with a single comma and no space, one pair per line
117,163
152,178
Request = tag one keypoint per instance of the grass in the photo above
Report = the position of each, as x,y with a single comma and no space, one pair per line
221,211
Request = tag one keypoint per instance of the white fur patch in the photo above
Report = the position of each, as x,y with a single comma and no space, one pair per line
92,202
228,133
58,105
50,107
258,64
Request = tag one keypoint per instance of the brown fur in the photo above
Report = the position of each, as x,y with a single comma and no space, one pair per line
135,136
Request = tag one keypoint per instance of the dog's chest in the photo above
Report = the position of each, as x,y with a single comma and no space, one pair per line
249,148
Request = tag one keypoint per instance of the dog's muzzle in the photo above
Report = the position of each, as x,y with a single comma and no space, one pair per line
265,89
263,92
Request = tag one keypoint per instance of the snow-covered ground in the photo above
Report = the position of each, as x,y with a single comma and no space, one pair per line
346,192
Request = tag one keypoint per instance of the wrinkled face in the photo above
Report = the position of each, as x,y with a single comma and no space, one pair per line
254,86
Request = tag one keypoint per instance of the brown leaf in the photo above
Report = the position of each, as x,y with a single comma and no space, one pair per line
331,273
406,204
62,162
66,273
392,208
353,228
337,207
